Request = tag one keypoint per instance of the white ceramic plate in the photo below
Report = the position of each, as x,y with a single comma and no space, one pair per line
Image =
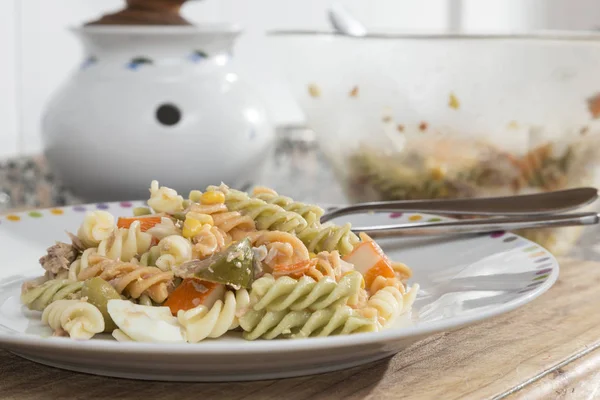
462,282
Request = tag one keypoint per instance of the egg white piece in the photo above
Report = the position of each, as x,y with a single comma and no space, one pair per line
145,323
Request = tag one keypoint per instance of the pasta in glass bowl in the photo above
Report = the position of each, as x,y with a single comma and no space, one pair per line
186,270
421,116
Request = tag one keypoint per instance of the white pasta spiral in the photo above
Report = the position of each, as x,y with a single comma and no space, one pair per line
173,250
388,302
165,228
80,319
200,323
96,226
81,263
164,199
125,243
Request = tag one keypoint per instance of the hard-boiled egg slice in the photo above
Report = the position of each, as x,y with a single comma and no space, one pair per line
145,323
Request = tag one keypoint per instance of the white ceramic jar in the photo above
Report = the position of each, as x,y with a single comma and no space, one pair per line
155,103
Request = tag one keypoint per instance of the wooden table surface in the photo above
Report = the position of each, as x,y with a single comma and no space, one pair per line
548,349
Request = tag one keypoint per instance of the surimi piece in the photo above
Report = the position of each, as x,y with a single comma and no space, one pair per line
369,260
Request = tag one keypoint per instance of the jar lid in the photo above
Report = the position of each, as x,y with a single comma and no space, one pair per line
146,12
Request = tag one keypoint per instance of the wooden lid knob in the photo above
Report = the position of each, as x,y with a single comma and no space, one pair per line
146,12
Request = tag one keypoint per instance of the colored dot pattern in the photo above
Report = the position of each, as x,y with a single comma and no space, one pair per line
541,274
60,211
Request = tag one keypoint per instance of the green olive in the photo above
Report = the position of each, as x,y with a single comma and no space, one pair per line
98,293
233,266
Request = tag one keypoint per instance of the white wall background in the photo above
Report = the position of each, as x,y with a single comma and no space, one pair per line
38,52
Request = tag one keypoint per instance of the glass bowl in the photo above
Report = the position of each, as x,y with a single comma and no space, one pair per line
418,116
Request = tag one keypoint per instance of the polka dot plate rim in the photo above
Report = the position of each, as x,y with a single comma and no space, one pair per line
463,281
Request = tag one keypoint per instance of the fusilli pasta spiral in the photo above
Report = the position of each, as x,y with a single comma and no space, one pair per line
131,279
282,248
209,240
164,199
329,237
50,291
230,222
381,282
165,228
173,250
388,302
81,263
329,264
304,293
266,216
303,323
200,323
80,319
310,212
96,227
126,243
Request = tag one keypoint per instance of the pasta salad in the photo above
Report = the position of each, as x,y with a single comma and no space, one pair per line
186,270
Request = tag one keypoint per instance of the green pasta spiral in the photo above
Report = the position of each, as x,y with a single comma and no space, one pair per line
305,293
310,212
336,320
41,296
267,216
329,237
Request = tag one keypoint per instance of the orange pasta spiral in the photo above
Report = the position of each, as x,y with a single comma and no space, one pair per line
130,279
210,240
283,248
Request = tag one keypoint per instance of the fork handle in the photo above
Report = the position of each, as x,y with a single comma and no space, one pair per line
524,205
479,225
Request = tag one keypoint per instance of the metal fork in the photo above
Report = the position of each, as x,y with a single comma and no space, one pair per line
541,210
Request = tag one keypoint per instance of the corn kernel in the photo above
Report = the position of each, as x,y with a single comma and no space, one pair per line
203,218
195,196
193,226
438,173
212,198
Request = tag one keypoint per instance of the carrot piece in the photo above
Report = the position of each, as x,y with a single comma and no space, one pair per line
145,222
193,292
380,269
296,270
